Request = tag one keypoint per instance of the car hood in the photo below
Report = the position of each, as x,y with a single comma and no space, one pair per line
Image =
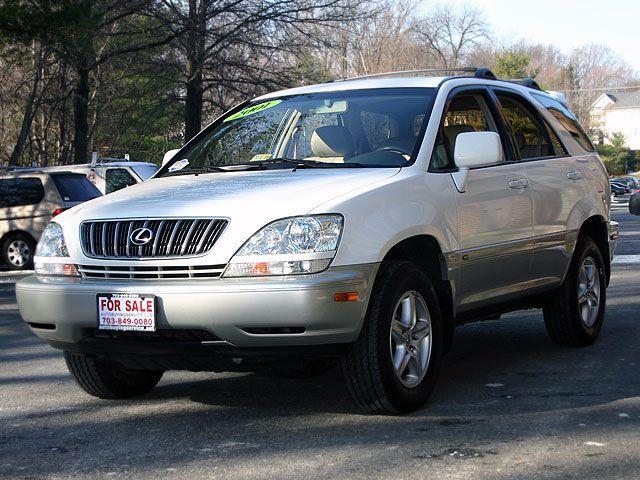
249,200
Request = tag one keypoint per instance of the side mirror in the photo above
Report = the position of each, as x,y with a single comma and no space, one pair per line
473,150
634,204
169,155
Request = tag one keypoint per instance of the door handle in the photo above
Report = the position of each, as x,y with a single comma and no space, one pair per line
519,183
574,175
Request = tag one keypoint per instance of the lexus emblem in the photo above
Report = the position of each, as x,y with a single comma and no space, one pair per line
141,236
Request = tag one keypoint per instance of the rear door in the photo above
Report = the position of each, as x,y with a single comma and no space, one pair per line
494,212
556,182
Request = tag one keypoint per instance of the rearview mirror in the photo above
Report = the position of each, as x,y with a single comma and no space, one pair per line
473,150
634,204
169,155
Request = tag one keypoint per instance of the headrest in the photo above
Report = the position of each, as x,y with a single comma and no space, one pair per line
452,132
332,141
521,140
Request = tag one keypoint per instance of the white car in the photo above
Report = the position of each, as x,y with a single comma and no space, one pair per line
358,221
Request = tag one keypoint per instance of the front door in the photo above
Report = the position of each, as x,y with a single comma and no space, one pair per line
492,262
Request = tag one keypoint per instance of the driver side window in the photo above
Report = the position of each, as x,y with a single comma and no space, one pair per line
467,112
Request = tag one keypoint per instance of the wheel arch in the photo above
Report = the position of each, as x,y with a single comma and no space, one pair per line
425,251
596,227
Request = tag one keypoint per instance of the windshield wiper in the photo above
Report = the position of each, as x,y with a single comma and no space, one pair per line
311,163
215,168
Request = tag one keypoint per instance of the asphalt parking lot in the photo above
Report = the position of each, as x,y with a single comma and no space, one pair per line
509,405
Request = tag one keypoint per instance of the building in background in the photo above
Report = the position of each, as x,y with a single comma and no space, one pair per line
617,112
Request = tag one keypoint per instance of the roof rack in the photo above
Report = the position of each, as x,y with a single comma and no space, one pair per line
95,159
476,72
527,82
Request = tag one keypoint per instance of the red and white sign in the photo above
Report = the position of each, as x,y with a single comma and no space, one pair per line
126,312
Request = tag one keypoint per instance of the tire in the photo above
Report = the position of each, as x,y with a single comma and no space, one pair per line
17,251
368,369
110,380
563,317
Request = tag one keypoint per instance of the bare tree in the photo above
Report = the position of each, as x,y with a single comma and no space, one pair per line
449,33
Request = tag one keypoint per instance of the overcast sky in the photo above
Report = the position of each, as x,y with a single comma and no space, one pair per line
568,23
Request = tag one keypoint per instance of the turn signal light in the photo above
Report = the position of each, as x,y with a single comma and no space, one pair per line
58,211
346,297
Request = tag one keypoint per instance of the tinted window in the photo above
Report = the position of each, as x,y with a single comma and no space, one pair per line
117,179
16,192
75,187
567,120
531,138
466,113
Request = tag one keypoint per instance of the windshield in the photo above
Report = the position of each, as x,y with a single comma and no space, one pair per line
145,172
355,128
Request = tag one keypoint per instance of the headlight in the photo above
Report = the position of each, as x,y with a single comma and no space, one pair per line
291,246
51,245
51,242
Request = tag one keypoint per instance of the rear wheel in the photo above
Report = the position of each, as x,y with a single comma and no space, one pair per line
575,315
18,250
394,364
110,380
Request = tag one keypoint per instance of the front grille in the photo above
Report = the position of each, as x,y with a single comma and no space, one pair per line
150,272
170,238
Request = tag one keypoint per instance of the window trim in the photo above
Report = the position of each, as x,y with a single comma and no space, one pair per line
538,117
485,92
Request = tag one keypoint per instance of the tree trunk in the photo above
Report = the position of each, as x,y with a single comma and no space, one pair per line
81,113
195,47
27,119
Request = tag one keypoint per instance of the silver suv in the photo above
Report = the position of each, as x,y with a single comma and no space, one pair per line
356,222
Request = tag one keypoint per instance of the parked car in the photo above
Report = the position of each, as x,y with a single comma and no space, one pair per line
28,201
618,189
628,182
109,175
359,221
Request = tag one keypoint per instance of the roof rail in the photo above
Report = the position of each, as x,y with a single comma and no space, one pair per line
95,159
477,72
527,82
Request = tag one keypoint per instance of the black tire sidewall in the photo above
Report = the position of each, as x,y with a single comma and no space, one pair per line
407,277
5,250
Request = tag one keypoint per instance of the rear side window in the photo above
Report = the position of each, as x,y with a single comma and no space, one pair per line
117,179
75,187
18,192
530,135
567,120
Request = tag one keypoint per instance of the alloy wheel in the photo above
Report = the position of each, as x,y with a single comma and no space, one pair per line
588,292
410,339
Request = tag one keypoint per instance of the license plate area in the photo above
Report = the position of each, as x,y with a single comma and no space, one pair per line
126,312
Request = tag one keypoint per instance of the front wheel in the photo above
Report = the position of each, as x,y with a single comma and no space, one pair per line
110,380
394,364
574,316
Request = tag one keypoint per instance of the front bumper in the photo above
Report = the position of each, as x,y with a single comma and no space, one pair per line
63,311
